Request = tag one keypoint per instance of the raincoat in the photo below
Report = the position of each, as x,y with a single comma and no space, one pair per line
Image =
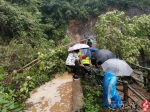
109,91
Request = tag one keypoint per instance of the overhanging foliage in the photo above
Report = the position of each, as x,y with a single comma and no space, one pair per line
123,35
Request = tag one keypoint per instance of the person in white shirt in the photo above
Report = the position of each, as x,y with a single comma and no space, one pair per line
70,62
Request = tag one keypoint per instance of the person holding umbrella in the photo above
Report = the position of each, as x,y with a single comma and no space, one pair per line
73,58
111,97
70,62
113,68
100,56
93,50
85,55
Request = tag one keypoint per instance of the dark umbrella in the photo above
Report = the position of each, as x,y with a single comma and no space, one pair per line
103,55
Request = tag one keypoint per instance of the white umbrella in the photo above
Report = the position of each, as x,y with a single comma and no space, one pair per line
117,66
78,46
70,49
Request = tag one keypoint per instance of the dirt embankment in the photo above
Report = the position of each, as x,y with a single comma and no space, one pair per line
79,29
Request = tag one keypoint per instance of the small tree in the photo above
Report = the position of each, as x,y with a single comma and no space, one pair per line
123,35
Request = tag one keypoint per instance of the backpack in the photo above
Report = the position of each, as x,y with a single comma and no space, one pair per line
86,52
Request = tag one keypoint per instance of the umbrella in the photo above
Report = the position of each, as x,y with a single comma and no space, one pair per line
70,49
78,46
93,49
117,66
103,55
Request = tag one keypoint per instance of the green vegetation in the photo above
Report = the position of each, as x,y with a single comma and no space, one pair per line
123,35
48,19
7,103
92,96
15,87
32,29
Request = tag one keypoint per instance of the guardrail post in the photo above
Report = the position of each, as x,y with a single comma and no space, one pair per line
148,78
125,91
145,80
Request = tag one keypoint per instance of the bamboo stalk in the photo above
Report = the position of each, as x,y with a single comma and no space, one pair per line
27,65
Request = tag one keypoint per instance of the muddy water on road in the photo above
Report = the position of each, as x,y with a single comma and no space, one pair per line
54,96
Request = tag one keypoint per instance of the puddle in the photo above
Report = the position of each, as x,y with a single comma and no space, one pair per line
54,96
65,104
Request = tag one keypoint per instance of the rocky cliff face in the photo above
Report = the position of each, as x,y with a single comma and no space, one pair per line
79,29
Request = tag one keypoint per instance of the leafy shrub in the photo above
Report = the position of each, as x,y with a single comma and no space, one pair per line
92,96
66,40
54,61
123,35
7,103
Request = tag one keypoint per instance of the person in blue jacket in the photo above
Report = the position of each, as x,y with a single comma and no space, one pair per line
111,97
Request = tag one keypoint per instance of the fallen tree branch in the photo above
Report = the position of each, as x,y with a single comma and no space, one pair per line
35,60
27,65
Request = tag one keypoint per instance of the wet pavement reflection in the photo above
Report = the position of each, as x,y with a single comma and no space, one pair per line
54,96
